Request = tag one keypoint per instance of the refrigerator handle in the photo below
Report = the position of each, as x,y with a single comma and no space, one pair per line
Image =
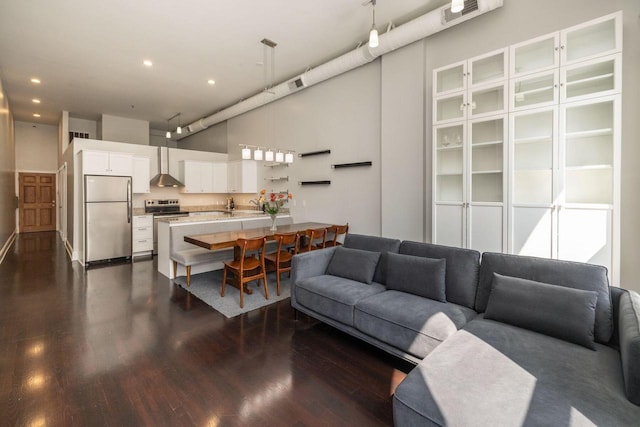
129,201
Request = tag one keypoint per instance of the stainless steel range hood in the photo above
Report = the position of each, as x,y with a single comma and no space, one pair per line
163,179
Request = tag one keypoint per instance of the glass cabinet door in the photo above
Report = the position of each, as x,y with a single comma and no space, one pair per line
449,163
487,101
588,132
596,77
488,68
595,38
487,160
532,139
535,55
450,108
535,90
450,79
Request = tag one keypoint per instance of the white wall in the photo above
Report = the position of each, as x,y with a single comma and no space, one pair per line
7,172
403,186
211,139
36,147
342,115
84,126
120,129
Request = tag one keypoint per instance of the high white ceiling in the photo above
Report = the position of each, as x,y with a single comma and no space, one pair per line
89,53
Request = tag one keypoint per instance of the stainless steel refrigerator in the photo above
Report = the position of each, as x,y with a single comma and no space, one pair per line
107,216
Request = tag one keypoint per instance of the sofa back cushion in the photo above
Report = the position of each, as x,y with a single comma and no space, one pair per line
374,244
560,312
462,265
587,277
354,264
417,275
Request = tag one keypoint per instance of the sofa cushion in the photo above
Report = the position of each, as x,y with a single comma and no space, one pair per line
494,374
587,277
560,312
629,322
461,277
411,323
374,244
417,275
333,296
354,264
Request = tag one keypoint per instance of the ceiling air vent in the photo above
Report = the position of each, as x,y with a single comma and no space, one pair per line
469,6
296,84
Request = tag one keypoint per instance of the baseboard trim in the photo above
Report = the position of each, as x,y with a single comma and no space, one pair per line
68,248
7,246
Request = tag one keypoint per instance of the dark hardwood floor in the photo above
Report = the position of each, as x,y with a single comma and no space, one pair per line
122,346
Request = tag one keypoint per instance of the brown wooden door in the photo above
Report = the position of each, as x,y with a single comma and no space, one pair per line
37,202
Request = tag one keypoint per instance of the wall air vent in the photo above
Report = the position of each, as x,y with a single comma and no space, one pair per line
296,84
469,6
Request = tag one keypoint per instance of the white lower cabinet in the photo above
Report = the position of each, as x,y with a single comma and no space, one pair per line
142,235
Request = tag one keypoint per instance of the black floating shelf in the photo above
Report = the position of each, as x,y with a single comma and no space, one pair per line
326,182
314,153
351,165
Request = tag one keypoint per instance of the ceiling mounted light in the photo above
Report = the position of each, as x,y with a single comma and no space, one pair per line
373,34
279,156
35,81
147,63
246,153
257,154
288,158
36,115
35,101
457,6
211,82
268,155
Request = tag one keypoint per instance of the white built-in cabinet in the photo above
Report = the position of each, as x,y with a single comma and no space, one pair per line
469,160
142,235
95,162
203,177
242,176
561,149
141,175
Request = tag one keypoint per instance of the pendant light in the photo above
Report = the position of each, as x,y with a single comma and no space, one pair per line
257,154
179,128
268,155
288,158
279,156
168,134
457,6
246,153
373,34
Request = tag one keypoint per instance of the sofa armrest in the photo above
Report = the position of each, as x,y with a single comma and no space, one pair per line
629,330
309,264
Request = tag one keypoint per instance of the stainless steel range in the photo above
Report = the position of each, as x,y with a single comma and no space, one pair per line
165,209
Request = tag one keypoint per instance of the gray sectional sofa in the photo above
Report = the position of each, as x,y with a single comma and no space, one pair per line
498,340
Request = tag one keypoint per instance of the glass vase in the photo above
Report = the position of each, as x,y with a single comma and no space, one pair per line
273,222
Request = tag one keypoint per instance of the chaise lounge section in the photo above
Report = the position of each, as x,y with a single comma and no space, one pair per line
512,340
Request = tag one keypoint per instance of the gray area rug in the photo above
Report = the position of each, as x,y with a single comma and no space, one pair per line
207,287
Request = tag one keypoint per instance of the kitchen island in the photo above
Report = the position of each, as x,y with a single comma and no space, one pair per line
172,232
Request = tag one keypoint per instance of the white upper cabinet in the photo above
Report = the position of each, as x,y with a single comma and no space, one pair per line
599,37
106,163
141,175
196,176
220,178
242,176
471,89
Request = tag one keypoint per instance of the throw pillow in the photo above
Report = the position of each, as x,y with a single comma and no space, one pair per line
354,264
557,311
417,275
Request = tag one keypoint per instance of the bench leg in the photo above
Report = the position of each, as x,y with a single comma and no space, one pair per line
175,269
188,275
295,314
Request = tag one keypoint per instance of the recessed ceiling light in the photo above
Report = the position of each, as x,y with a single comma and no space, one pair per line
34,80
147,63
211,82
35,101
36,115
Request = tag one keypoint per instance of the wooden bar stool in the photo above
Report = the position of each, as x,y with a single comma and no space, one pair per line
333,233
281,260
247,268
314,239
